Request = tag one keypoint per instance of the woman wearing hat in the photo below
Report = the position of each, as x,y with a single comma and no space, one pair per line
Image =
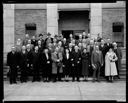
110,66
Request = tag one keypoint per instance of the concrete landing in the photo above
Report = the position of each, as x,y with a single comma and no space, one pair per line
65,91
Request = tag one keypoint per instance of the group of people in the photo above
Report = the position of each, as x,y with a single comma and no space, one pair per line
53,58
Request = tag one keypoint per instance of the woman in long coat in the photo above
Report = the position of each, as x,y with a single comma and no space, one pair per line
85,63
110,66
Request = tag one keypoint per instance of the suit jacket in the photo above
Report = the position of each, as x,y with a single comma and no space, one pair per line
107,46
35,59
77,58
53,47
65,45
119,55
72,59
54,63
78,41
12,59
34,42
46,61
47,41
97,58
23,60
25,41
66,61
40,48
57,64
29,57
102,48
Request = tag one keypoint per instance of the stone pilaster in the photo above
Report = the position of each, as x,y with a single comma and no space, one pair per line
8,23
52,19
95,19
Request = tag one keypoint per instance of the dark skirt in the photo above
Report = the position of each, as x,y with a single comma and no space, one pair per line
85,67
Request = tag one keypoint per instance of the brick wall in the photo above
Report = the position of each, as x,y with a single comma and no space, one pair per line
23,16
109,16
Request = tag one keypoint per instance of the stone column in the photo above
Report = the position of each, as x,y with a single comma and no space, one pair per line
8,23
52,19
95,19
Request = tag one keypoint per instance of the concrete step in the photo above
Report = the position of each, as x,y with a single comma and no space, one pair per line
122,72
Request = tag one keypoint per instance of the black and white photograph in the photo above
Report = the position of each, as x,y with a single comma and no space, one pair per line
64,51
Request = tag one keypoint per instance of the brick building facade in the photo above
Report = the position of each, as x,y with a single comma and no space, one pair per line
92,18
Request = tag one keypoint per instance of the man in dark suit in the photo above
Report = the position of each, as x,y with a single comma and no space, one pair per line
23,64
40,47
25,41
85,36
102,49
66,64
72,64
65,43
71,50
35,62
108,44
48,40
34,41
91,48
99,38
118,52
42,40
97,62
12,63
46,65
29,60
79,40
70,38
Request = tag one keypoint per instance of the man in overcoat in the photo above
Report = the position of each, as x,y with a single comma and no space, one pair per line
55,61
102,49
29,60
118,52
77,61
46,65
97,62
12,59
23,64
35,62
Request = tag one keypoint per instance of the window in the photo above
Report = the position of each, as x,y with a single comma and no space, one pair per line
118,33
30,28
117,27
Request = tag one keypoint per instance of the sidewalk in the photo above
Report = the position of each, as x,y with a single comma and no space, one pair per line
65,91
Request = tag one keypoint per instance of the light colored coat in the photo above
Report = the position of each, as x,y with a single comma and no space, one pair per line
54,63
110,67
